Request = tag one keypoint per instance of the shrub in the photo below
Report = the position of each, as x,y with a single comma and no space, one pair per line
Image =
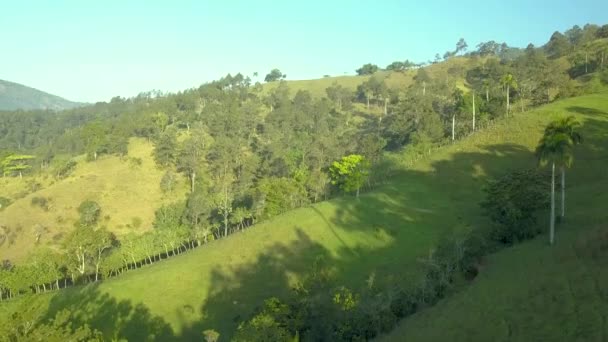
512,202
43,202
168,182
135,162
89,213
64,168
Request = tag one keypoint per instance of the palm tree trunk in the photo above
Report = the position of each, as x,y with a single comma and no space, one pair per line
563,191
508,101
552,218
453,126
473,111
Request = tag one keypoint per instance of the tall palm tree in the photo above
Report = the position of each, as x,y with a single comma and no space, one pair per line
508,81
567,126
555,147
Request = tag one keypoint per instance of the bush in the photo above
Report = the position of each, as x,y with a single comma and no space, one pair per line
168,182
135,162
64,168
43,202
89,213
512,202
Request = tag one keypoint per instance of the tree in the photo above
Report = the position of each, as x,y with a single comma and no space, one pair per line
94,136
367,69
16,163
555,147
101,241
602,32
461,46
557,46
193,152
508,81
350,173
79,246
340,95
422,78
567,126
274,75
89,213
165,148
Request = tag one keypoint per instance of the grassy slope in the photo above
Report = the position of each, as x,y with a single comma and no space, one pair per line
534,292
395,80
383,233
124,192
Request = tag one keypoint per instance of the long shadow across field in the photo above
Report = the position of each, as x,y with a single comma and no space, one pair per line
411,213
403,212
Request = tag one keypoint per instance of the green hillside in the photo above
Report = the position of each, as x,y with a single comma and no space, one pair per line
116,183
533,291
381,235
14,96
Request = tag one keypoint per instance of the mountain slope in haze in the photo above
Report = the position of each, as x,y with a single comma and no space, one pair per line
14,96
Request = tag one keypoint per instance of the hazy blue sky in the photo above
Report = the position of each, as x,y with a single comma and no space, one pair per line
93,51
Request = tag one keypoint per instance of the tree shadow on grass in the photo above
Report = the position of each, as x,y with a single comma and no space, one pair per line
115,319
393,227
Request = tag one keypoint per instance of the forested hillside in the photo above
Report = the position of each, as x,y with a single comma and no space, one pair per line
316,209
15,96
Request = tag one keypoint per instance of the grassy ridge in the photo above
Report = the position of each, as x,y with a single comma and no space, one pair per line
534,292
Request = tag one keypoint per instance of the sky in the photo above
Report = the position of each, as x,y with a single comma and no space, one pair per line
91,51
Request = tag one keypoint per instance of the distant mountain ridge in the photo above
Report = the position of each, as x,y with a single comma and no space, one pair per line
15,96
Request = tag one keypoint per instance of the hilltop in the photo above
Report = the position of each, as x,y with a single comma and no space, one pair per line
14,96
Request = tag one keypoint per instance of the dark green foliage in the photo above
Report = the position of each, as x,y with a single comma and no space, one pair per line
367,69
278,195
267,325
557,46
512,203
64,168
168,182
165,149
169,216
400,66
602,32
90,212
274,75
